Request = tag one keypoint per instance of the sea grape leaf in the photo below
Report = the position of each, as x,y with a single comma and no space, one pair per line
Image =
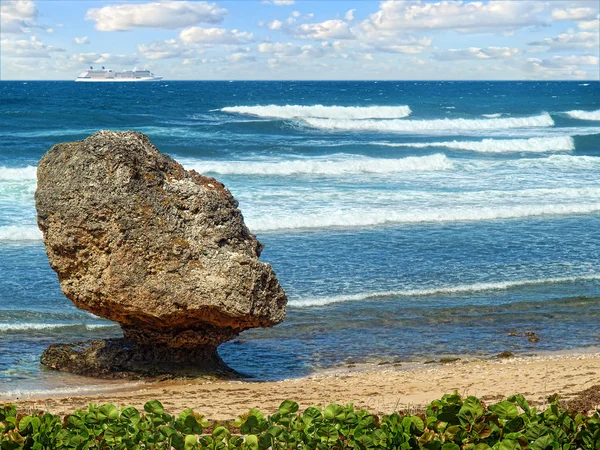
130,415
154,407
191,442
450,446
24,424
334,412
514,425
523,404
220,433
543,442
505,410
251,442
536,431
418,423
288,407
108,411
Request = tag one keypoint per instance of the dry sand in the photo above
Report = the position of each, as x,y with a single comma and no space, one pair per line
380,389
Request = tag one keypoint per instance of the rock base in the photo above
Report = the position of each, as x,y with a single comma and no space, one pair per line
121,359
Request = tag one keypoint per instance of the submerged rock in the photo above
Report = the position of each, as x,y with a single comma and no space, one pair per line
138,240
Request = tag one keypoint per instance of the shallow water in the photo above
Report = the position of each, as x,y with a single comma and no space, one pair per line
405,220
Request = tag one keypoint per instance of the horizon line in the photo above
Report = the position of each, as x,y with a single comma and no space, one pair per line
337,80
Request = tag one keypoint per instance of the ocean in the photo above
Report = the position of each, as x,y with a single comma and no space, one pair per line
407,221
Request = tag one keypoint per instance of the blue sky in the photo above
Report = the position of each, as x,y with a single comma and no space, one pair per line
287,39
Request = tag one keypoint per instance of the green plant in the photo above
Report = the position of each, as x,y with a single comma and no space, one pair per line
451,423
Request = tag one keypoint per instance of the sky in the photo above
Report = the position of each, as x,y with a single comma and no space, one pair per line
301,39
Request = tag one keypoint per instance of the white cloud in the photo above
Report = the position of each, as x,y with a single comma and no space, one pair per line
476,53
241,57
214,36
82,40
593,25
290,54
170,48
275,25
329,29
27,48
410,45
349,16
279,2
17,16
463,16
105,58
567,61
573,14
165,15
564,41
563,67
279,48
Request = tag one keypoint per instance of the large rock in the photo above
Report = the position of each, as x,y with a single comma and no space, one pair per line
164,252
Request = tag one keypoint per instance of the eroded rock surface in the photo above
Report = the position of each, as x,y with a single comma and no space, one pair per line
138,240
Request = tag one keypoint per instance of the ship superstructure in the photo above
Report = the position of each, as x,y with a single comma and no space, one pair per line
92,75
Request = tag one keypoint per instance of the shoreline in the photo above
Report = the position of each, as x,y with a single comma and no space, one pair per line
381,388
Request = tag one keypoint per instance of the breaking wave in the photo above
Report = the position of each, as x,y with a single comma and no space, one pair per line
20,233
564,162
6,327
326,167
62,391
542,120
362,218
584,115
16,174
459,289
320,111
560,143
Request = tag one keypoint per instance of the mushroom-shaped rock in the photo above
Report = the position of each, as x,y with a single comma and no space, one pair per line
137,239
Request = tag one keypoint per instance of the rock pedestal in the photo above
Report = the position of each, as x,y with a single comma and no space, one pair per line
137,239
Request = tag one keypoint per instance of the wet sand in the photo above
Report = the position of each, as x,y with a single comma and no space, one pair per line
381,389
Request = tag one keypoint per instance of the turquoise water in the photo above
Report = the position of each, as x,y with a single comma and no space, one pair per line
406,220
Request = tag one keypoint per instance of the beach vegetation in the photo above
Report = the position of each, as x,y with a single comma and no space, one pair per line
450,423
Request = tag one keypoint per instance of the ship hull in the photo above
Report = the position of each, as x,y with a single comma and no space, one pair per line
122,80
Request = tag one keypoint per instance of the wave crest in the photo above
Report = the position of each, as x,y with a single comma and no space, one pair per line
16,174
542,120
537,145
378,217
326,112
326,167
19,233
6,327
584,115
459,289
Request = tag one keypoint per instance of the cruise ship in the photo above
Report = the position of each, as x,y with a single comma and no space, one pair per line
93,75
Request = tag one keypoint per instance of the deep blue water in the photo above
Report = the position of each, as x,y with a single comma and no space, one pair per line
406,220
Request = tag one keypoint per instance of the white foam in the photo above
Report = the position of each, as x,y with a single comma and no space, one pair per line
492,116
537,145
17,174
4,327
325,167
584,115
50,133
459,289
62,391
542,120
20,233
348,218
327,112
556,161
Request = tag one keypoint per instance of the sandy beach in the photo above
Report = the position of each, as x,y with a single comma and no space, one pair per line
382,389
